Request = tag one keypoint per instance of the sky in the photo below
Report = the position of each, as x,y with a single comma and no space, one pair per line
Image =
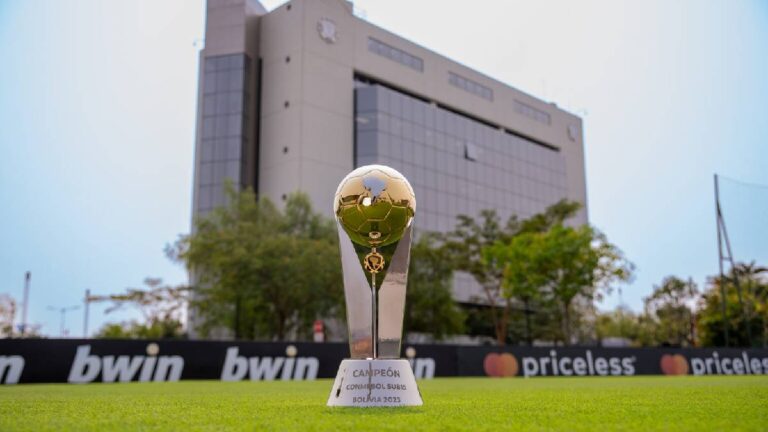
97,120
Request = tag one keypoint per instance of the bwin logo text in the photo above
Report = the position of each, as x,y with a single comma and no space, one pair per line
11,368
86,367
236,367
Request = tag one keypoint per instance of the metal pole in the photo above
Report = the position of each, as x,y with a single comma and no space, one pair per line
87,307
63,311
27,282
720,261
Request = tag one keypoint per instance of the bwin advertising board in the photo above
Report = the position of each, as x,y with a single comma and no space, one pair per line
80,361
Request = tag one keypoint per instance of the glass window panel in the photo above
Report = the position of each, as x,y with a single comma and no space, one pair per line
206,173
419,112
234,124
429,116
220,150
418,155
366,121
209,82
384,145
235,78
204,197
217,196
407,130
222,81
206,148
209,105
234,102
221,126
236,61
366,99
383,122
232,171
408,109
396,149
221,62
366,143
234,148
209,65
395,54
419,134
407,152
209,127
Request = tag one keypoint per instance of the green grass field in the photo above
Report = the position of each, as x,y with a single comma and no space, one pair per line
638,403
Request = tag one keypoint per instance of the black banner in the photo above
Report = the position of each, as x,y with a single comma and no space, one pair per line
97,360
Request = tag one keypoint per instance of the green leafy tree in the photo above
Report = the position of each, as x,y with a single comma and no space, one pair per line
562,264
618,323
639,328
521,275
669,308
580,263
162,307
754,292
166,329
261,272
755,284
429,304
465,245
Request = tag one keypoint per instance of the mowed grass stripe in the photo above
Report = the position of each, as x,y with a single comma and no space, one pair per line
616,403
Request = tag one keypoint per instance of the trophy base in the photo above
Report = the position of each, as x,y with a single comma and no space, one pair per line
375,383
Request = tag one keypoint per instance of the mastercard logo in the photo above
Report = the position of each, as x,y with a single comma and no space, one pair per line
500,365
674,364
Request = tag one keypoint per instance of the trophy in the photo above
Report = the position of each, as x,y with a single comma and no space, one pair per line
374,207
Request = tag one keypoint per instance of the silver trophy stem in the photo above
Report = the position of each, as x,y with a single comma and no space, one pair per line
374,316
391,301
357,294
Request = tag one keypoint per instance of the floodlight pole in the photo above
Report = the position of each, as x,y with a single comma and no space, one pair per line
722,234
720,261
27,282
63,311
87,303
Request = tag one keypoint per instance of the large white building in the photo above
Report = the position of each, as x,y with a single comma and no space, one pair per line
295,98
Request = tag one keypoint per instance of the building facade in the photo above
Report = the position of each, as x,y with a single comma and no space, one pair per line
295,98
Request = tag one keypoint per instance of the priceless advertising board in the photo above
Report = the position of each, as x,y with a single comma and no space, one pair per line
79,361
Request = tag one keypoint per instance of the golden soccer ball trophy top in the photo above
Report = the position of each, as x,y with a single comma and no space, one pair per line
374,205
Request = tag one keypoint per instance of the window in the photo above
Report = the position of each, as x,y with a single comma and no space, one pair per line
533,113
470,86
377,47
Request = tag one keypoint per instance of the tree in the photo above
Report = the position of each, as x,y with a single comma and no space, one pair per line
521,276
580,262
261,272
669,308
465,246
755,283
618,323
162,307
562,263
754,287
7,315
429,304
167,329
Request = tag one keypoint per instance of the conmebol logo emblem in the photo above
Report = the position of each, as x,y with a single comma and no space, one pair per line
327,30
